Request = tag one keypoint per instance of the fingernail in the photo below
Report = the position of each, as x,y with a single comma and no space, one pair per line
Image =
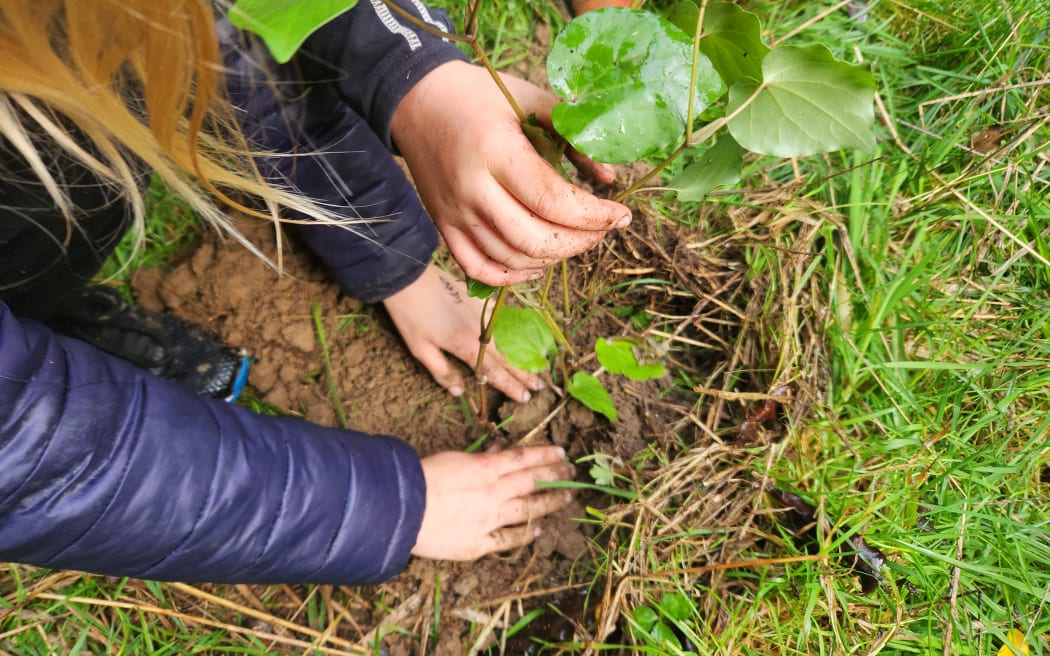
624,221
537,385
536,532
536,276
456,390
525,396
560,452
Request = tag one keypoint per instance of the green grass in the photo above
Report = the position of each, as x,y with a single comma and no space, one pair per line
929,432
170,230
905,294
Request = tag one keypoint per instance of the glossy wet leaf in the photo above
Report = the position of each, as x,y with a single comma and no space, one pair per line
589,391
624,76
808,102
718,166
284,25
524,338
478,289
619,356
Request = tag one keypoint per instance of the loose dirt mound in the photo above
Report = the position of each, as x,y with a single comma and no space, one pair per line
383,389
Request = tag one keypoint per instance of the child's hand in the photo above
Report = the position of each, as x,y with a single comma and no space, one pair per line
488,502
504,212
434,315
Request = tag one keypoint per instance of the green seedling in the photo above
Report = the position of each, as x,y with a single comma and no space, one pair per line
588,390
635,85
658,626
524,338
630,357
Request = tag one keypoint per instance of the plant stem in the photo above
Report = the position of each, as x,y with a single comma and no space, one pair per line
565,286
483,58
483,341
451,36
692,73
700,136
640,182
470,26
545,294
333,393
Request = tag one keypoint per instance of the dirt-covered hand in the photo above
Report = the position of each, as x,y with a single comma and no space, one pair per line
434,315
487,502
503,210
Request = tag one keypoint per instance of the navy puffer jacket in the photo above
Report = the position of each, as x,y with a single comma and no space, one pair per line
108,469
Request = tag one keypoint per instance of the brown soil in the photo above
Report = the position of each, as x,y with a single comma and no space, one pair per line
230,291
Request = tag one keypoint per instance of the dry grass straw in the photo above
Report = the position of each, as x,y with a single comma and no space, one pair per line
263,619
703,509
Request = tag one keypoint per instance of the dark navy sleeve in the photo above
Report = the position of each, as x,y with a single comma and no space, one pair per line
108,469
375,56
324,149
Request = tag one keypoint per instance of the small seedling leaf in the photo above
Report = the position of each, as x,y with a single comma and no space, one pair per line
721,164
664,635
645,617
618,356
624,75
731,39
808,103
524,338
601,474
284,25
677,606
589,391
478,289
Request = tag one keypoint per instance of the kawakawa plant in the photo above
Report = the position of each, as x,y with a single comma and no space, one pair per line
699,85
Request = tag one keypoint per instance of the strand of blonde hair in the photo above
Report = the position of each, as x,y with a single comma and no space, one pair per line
141,82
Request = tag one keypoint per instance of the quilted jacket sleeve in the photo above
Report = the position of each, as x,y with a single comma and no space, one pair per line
375,56
309,112
108,469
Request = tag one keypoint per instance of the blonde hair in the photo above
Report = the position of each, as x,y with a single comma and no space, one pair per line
115,81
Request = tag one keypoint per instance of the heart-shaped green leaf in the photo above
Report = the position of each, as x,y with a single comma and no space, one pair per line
284,25
719,165
732,40
624,75
684,14
588,390
808,102
524,338
617,355
645,617
677,606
